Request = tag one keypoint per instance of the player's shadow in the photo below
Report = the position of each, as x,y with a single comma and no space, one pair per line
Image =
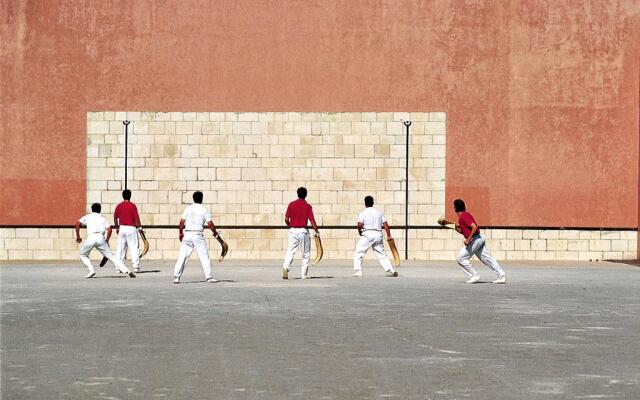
121,276
219,281
315,277
632,263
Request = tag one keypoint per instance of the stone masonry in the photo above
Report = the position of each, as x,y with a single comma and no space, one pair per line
249,165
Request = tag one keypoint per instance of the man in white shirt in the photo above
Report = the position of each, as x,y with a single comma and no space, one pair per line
96,226
192,236
370,224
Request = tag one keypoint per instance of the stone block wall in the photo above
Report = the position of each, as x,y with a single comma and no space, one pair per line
249,165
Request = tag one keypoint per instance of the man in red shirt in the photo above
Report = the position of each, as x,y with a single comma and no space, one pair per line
474,244
298,212
127,222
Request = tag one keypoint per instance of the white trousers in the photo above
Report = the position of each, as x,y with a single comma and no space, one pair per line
371,239
128,238
478,248
190,241
298,237
96,240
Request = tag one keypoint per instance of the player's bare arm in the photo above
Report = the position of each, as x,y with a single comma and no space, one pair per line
314,225
116,220
181,229
387,229
211,226
137,217
474,230
78,239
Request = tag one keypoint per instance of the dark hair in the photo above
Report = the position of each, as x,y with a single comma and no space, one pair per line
126,194
459,206
302,192
368,201
96,207
197,197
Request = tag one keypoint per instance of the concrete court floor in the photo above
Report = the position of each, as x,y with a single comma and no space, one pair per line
555,331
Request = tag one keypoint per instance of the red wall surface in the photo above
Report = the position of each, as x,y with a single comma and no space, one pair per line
542,98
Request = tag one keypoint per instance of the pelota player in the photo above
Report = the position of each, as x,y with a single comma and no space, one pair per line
96,226
191,234
370,224
296,217
127,222
474,244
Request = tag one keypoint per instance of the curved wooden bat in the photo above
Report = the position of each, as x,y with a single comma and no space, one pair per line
394,252
319,250
145,243
225,248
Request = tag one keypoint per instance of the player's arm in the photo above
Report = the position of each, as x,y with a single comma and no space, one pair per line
109,229
457,226
78,239
287,218
312,219
181,229
116,220
387,229
136,217
211,226
360,228
474,230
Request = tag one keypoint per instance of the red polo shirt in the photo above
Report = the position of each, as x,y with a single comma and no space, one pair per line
126,213
299,211
465,220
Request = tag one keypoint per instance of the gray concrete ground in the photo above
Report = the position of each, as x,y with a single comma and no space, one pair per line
554,332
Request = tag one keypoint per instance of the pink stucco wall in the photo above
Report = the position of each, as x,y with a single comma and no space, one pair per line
541,97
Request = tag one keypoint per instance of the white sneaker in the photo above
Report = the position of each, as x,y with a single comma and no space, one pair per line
136,270
90,275
305,277
211,280
357,274
474,279
176,280
501,279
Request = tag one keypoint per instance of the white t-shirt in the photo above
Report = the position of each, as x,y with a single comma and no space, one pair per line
372,219
195,216
95,223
